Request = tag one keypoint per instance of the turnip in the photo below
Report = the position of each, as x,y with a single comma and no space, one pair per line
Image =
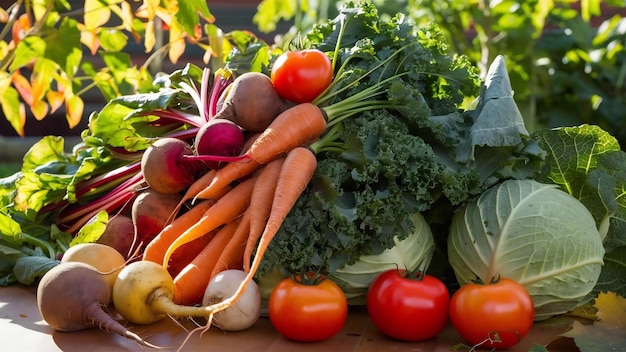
165,169
252,102
219,137
105,259
245,312
71,297
143,294
119,234
150,213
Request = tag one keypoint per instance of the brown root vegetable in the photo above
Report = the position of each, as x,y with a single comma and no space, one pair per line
119,234
150,213
252,102
71,297
164,168
105,259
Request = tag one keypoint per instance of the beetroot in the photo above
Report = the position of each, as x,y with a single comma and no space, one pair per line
164,168
219,137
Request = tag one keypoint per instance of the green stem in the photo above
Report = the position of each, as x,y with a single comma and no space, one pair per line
39,243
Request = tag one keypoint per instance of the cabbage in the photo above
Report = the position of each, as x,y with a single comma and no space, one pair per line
413,252
533,233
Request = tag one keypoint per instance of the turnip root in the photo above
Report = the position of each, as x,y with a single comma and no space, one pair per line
105,259
143,294
71,297
252,102
219,137
164,168
150,213
119,234
245,312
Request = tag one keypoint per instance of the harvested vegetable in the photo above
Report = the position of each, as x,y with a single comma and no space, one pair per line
71,297
534,234
252,102
245,312
143,294
107,260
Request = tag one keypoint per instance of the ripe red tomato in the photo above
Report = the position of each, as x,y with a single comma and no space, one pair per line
494,315
301,75
307,312
408,308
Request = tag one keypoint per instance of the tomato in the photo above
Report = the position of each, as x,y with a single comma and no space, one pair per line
408,308
307,312
494,315
300,76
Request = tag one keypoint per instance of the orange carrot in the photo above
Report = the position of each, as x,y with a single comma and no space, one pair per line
260,205
197,186
296,173
225,210
155,250
191,282
294,127
232,171
185,254
232,253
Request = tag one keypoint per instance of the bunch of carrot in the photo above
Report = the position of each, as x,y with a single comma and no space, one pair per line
242,204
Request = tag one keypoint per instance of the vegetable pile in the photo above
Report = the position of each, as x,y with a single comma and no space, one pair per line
362,148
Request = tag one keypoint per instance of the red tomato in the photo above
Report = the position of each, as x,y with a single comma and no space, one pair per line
307,312
408,308
494,315
300,76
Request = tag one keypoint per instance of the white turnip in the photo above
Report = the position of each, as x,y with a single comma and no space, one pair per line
164,167
245,312
71,297
105,259
252,102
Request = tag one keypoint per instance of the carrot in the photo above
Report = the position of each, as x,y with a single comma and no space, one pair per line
156,249
294,127
191,282
191,192
232,253
225,210
296,173
185,254
260,205
225,176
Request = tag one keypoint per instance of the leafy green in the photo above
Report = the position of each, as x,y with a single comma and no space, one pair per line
533,233
588,163
378,167
413,253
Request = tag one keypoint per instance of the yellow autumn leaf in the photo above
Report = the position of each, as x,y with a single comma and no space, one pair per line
607,332
39,109
55,99
97,13
74,107
177,41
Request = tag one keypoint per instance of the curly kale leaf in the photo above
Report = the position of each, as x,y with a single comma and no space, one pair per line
361,199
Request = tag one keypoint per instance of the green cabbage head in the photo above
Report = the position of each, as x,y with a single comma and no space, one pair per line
532,233
413,252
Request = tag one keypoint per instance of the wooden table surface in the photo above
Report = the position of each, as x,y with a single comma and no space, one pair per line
22,329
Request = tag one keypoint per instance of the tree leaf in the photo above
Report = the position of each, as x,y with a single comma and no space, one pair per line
607,333
97,13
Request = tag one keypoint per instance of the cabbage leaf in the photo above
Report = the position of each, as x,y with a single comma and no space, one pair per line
532,233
